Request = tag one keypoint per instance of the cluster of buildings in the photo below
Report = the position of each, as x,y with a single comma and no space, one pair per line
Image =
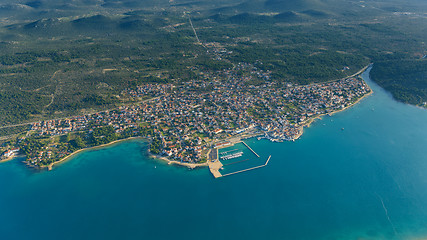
120,119
9,153
148,90
42,155
186,120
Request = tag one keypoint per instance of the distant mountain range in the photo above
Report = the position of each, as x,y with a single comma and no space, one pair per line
23,9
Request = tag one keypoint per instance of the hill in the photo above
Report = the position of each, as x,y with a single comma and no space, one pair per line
406,80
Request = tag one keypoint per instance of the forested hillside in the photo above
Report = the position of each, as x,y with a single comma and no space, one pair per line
406,80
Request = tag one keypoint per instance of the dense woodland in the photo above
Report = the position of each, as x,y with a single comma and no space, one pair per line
406,80
74,63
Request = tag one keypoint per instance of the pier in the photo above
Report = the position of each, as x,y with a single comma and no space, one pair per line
248,169
231,156
223,153
250,149
214,168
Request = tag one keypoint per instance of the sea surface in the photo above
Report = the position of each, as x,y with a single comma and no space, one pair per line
359,174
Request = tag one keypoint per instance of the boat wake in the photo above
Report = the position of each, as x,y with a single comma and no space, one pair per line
386,213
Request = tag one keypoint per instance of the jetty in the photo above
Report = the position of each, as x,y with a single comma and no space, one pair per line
248,169
250,149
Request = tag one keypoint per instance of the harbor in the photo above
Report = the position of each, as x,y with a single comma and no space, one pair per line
216,165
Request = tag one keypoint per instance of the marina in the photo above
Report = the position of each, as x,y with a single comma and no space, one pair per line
216,165
232,156
226,152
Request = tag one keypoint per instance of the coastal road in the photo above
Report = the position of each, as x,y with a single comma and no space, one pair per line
353,75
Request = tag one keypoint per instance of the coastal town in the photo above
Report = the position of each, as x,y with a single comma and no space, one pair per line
184,121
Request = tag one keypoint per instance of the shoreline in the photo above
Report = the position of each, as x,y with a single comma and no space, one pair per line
302,125
7,159
11,158
184,164
169,162
51,165
307,123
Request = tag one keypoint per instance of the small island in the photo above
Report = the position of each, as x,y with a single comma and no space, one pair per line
185,122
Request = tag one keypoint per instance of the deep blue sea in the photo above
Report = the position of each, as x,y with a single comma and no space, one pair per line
359,174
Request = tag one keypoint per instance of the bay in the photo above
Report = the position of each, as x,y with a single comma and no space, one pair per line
359,174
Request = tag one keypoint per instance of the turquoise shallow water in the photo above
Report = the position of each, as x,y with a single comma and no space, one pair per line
368,181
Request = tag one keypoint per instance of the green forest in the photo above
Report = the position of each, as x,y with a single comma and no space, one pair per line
406,80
